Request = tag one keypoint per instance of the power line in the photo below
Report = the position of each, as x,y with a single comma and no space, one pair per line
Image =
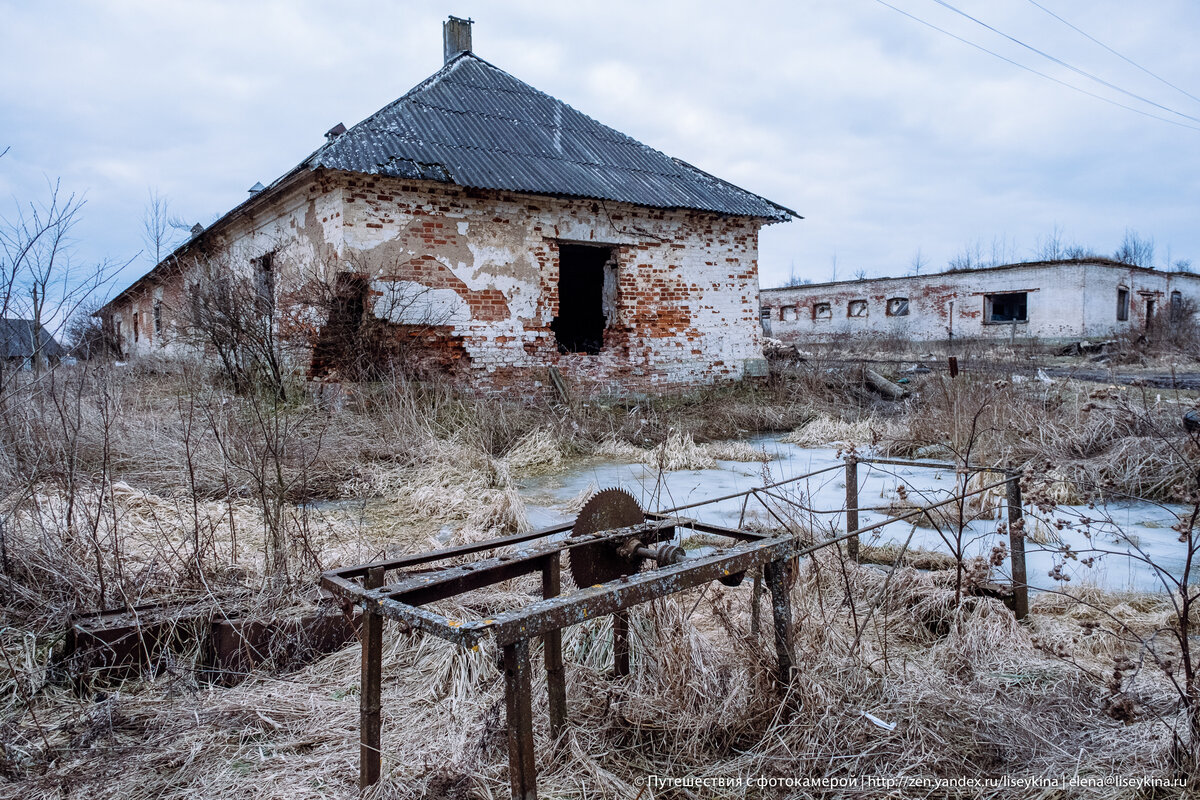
1060,62
1018,64
1114,52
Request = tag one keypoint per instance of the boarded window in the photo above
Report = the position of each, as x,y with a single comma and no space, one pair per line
158,317
1008,307
857,308
765,313
788,314
1122,305
897,307
822,311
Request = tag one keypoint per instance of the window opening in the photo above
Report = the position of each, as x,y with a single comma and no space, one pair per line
1009,307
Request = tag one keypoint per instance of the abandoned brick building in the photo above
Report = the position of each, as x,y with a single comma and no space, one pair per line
500,230
1052,301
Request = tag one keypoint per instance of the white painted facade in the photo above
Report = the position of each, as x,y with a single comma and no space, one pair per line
1051,301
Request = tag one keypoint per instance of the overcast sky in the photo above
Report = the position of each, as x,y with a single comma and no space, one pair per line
886,135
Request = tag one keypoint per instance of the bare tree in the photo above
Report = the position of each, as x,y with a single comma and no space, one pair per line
1135,250
1004,251
918,263
794,279
970,257
1079,251
1050,247
40,279
161,230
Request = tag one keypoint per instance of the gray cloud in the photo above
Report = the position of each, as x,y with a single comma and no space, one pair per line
887,136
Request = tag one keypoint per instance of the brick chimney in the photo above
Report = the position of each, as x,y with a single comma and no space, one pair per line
456,37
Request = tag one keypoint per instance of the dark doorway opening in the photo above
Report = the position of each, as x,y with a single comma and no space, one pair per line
1151,310
337,342
583,271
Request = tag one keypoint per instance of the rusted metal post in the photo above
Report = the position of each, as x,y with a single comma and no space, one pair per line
369,689
1016,544
775,573
755,610
556,686
953,367
621,642
852,505
522,768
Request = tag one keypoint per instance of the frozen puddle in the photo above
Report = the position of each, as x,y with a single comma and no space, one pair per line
552,499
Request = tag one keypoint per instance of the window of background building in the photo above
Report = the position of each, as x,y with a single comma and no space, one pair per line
1007,307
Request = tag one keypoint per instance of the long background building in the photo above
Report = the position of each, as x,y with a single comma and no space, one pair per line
1045,300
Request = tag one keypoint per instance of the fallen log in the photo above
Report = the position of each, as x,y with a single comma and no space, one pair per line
883,385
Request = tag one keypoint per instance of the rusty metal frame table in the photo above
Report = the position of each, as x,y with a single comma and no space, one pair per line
402,599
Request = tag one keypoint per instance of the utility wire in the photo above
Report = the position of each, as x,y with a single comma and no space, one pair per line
1114,52
1062,63
1079,89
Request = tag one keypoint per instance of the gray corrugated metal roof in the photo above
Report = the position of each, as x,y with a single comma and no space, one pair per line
475,125
16,340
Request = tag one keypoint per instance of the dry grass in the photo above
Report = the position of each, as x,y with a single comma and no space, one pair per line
182,491
967,691
888,553
539,450
679,451
828,431
1081,442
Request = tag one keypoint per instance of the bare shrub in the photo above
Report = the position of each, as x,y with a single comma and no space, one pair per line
233,316
1174,332
1147,662
1135,250
1099,439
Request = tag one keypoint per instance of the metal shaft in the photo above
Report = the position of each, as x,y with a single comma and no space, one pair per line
369,690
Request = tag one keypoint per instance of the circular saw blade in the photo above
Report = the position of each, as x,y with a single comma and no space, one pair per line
598,562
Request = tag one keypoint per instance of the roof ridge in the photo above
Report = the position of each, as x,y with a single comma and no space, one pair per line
531,89
435,78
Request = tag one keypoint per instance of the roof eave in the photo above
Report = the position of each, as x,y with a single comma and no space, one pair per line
258,198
